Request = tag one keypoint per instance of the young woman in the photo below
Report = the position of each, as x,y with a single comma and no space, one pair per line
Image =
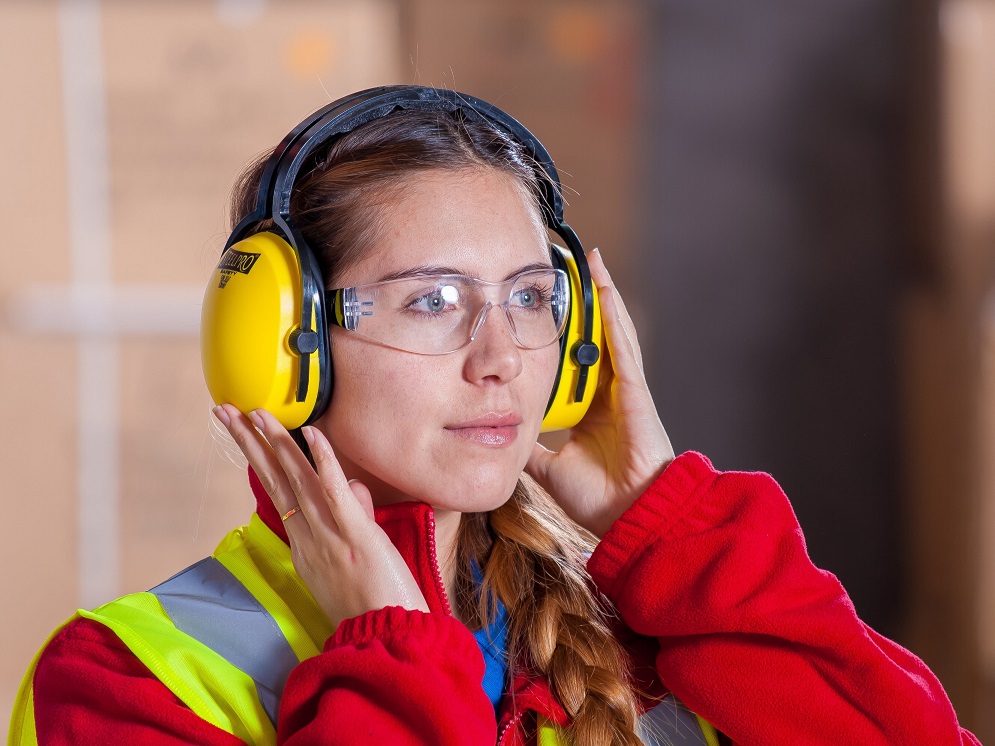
437,577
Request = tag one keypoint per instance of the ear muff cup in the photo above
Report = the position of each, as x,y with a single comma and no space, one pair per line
564,409
251,311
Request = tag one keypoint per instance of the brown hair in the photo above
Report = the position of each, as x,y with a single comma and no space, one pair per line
533,557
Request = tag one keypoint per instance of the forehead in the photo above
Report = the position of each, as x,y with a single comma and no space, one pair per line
481,223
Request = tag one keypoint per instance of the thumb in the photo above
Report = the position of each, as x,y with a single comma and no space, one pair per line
539,463
363,496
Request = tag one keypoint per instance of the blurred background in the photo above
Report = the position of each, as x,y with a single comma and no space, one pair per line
796,199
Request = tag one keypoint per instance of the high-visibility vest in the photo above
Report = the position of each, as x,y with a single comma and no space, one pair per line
224,634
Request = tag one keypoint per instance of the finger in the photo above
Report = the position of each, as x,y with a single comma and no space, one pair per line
539,463
602,278
346,502
619,332
621,349
304,483
259,454
363,496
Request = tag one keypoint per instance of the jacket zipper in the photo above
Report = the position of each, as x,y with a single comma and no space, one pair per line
436,572
437,576
507,727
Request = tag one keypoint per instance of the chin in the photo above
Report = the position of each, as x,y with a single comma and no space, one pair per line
474,482
474,495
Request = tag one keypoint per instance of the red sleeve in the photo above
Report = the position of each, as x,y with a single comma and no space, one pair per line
752,635
390,676
89,688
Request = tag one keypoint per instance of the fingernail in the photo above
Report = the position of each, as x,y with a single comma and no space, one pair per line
353,480
308,435
222,415
257,420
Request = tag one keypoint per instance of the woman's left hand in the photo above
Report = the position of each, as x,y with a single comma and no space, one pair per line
620,447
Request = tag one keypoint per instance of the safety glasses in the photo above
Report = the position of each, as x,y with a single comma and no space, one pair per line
439,314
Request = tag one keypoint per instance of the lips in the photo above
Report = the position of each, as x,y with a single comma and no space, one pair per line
491,429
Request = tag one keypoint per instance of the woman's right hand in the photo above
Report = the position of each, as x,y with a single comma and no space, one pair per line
344,557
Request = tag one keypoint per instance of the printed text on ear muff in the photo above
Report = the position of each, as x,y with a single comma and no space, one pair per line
233,261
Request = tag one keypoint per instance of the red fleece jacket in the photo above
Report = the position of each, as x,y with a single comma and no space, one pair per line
709,568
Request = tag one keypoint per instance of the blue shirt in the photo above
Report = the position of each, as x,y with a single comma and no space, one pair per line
493,645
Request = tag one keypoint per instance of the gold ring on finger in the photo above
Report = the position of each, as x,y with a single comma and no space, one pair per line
290,512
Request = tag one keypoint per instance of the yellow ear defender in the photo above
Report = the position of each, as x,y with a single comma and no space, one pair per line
250,345
264,335
576,381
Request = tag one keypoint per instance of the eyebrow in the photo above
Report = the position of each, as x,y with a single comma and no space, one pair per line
435,269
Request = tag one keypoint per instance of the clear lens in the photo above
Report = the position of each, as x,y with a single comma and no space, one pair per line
436,314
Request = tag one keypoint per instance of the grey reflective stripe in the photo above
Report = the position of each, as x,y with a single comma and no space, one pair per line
211,605
670,723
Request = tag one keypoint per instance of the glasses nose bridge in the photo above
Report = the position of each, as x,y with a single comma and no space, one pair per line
478,322
494,293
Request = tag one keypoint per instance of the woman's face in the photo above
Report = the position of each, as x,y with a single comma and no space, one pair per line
452,430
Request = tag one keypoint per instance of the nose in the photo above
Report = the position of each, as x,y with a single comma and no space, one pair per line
492,353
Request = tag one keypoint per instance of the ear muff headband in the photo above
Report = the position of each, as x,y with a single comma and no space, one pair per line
348,114
304,343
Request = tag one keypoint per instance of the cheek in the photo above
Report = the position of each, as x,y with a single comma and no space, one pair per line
363,390
544,373
535,387
383,403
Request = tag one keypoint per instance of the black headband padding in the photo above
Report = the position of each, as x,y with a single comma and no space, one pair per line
354,111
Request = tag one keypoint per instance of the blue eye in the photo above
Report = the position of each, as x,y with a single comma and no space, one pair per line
533,297
436,301
527,298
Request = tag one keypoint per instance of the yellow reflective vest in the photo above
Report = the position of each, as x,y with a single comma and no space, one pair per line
222,635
